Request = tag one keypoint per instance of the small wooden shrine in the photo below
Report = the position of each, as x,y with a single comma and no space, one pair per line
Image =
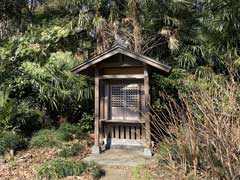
122,98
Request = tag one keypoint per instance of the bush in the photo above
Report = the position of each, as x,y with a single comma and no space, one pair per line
205,137
68,132
55,138
63,168
72,150
45,138
11,141
86,122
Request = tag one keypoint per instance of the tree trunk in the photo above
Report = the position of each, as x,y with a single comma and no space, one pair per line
134,9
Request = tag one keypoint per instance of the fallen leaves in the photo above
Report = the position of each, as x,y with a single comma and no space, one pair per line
23,165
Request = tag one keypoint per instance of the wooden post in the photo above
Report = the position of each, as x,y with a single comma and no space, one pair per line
147,151
101,112
96,148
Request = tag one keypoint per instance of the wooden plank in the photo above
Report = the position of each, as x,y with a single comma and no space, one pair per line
121,132
132,132
147,110
120,121
106,131
138,135
101,100
114,132
128,131
122,76
119,71
96,127
117,131
117,65
106,102
143,132
111,131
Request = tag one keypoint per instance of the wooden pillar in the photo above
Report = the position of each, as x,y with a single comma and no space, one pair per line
147,151
96,148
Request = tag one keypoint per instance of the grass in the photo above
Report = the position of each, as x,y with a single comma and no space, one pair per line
142,172
62,168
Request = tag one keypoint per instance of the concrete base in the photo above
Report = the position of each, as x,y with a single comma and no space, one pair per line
122,158
127,147
147,152
96,150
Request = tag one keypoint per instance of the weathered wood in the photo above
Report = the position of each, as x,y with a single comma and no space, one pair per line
117,131
147,110
117,65
122,132
138,135
111,131
123,76
143,130
127,63
96,127
101,89
121,51
121,71
132,132
122,89
142,107
121,121
128,130
105,131
106,101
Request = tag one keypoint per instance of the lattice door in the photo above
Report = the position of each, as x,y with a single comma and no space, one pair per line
117,101
125,101
132,102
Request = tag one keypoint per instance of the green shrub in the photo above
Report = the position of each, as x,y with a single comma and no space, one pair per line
68,132
11,141
86,122
72,150
53,137
45,138
63,168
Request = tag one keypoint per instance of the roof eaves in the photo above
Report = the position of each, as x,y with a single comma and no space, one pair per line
124,51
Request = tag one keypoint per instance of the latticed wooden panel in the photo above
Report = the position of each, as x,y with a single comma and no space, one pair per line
132,97
117,96
125,101
125,96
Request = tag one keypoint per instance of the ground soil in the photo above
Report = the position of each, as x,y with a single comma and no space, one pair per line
23,165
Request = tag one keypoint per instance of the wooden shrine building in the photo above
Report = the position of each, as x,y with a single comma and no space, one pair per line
122,98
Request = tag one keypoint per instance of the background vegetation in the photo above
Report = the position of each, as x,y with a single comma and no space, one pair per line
41,40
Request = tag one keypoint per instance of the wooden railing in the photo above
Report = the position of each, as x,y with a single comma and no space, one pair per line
124,133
